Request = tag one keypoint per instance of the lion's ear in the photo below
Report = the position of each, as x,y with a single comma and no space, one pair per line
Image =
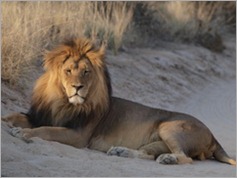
97,56
102,48
54,58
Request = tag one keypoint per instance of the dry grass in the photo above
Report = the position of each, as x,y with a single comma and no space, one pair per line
193,18
187,21
109,21
30,27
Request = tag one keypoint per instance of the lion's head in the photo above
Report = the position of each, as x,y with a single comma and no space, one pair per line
75,81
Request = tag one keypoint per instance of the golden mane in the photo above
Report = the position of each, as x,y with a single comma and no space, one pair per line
49,103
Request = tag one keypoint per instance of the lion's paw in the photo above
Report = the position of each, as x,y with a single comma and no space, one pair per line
16,131
6,122
120,151
167,159
23,134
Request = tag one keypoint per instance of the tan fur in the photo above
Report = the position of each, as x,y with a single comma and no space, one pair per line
75,89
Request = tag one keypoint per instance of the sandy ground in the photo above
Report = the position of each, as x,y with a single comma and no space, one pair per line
175,77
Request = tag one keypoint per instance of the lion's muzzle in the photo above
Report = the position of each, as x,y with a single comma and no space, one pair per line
76,99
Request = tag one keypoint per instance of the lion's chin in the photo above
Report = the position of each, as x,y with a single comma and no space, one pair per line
76,100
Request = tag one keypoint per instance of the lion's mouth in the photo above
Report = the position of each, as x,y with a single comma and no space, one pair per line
76,99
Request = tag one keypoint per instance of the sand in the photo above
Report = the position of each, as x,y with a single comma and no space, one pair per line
177,77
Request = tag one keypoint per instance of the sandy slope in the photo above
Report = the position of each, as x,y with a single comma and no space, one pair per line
181,78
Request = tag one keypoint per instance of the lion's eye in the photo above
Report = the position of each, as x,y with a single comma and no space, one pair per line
68,71
86,72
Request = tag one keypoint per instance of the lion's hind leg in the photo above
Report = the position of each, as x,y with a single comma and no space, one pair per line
160,149
186,139
17,120
177,155
128,153
149,151
174,158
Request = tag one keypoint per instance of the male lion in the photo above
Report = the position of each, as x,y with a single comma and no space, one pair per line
72,104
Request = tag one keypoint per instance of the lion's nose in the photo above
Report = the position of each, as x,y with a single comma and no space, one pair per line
78,87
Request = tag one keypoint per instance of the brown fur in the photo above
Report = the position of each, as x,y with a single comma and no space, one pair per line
72,104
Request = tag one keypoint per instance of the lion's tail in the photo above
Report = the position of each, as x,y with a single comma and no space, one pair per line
221,155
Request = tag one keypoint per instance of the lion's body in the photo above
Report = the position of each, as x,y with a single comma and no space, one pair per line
139,125
72,104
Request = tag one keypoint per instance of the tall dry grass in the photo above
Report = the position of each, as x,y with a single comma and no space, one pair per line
193,18
30,27
186,21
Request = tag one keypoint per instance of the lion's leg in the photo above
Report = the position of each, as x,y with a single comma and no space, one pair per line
17,120
58,134
98,143
177,155
177,148
149,151
186,139
129,153
155,148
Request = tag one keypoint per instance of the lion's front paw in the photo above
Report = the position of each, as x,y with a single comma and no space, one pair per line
167,159
7,122
120,151
24,134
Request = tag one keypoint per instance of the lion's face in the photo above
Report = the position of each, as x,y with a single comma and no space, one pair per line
77,79
74,70
75,86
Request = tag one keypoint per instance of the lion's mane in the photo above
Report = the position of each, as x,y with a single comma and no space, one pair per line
50,106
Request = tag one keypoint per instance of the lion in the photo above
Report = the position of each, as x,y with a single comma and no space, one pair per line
72,103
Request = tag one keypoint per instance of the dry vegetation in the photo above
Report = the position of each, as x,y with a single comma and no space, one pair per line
186,21
28,28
